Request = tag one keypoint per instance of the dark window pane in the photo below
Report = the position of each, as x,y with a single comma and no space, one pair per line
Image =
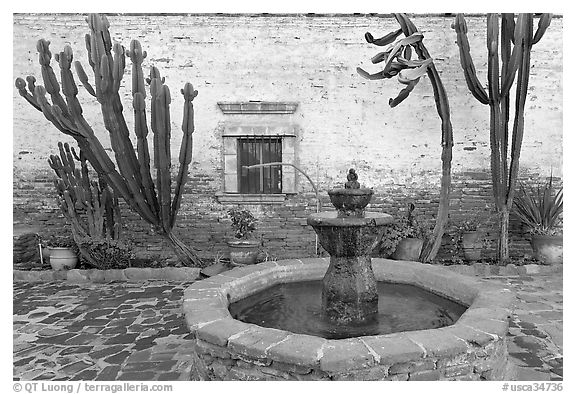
260,150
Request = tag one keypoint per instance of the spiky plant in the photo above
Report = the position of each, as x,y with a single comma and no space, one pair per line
540,208
398,62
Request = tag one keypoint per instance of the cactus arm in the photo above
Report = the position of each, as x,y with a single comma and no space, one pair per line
405,23
510,59
373,77
511,62
496,134
521,94
466,62
508,26
185,156
50,82
383,41
412,74
403,94
137,56
83,78
141,130
543,24
21,86
69,87
397,50
118,67
50,112
162,108
67,206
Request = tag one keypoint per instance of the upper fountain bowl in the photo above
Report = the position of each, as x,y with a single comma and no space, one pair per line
350,202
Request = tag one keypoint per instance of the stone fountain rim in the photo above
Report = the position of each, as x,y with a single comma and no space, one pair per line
363,191
330,218
484,322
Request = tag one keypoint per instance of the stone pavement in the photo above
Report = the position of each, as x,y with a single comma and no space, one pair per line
136,330
535,335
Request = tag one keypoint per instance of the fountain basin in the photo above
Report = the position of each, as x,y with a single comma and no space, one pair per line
350,202
352,236
474,348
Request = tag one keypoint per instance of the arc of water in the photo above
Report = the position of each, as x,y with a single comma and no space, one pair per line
278,163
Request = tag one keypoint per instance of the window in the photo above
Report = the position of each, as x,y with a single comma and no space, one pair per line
258,133
259,150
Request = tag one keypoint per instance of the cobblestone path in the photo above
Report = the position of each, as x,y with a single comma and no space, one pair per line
136,330
535,335
100,331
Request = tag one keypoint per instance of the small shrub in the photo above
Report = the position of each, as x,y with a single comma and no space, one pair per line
59,241
105,253
243,222
408,226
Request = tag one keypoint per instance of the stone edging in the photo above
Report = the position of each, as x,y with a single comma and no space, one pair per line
190,274
94,275
483,269
474,348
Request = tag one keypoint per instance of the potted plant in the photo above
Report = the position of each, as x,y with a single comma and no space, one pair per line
540,209
411,234
469,237
243,249
62,252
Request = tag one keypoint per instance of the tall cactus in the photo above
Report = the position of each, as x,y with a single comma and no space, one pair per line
398,62
507,62
133,179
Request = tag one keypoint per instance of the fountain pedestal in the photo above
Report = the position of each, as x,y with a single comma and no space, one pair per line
349,293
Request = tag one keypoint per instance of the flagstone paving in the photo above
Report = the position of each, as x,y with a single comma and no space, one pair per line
136,330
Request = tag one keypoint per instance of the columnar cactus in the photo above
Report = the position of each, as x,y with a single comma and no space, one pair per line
133,180
90,206
398,62
505,62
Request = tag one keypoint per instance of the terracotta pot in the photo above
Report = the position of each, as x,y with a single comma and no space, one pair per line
547,248
62,258
243,252
471,245
408,249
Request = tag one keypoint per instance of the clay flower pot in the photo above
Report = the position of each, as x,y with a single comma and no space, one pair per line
408,249
547,248
243,251
62,258
471,245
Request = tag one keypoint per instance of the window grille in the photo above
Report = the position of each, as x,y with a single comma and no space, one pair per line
259,150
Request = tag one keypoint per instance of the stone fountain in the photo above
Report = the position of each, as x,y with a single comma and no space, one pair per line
349,293
348,317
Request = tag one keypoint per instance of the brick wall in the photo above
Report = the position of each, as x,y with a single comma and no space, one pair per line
344,121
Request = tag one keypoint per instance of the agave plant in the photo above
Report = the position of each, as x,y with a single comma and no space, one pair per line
540,208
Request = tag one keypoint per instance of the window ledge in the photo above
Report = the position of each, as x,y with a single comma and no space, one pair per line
258,107
237,198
